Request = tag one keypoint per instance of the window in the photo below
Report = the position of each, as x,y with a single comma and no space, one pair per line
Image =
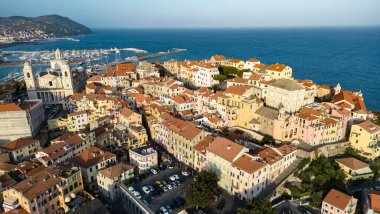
50,83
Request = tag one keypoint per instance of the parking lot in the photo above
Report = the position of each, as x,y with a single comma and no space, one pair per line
158,194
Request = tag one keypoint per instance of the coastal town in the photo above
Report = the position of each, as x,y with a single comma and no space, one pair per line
218,135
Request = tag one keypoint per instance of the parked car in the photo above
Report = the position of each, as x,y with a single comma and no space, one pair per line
131,189
176,176
169,208
145,189
137,194
145,202
154,171
185,173
164,210
169,186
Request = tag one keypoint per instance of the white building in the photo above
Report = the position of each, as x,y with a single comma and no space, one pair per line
143,158
288,94
54,84
203,76
22,120
250,63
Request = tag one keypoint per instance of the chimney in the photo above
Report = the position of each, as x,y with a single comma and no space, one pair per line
229,147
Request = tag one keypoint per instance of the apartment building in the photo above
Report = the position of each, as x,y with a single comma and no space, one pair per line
90,161
337,202
109,178
23,120
21,148
143,158
365,137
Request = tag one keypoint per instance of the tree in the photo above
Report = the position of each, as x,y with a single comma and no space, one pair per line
200,192
375,166
220,77
257,206
316,199
267,139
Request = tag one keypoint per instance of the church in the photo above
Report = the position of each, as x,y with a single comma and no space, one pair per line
54,84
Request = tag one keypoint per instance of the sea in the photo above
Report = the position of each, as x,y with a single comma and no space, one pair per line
346,55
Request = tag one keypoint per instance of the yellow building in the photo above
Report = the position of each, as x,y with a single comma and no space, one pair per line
354,168
129,117
221,154
110,177
78,121
238,100
365,137
45,191
279,71
57,123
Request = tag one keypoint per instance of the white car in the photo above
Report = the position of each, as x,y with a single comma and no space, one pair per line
164,210
153,171
172,178
145,189
185,173
137,194
176,176
131,189
169,186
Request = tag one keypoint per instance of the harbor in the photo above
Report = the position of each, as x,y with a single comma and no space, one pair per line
12,61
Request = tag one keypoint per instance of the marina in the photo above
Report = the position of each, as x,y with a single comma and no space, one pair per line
96,58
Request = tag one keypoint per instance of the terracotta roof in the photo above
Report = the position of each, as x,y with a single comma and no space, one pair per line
238,80
126,112
70,138
9,107
306,116
352,163
248,164
255,76
219,58
347,96
77,113
6,166
328,121
286,149
19,143
311,111
235,60
337,199
203,144
116,170
252,60
37,184
369,126
18,210
225,148
96,78
237,89
276,67
270,155
91,157
374,198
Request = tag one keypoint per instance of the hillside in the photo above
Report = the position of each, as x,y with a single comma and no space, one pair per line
46,26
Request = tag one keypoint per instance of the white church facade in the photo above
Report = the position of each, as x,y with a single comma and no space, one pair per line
54,84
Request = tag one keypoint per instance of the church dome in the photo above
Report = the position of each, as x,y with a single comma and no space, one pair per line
27,64
58,54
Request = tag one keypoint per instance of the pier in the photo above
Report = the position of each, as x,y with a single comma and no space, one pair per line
149,56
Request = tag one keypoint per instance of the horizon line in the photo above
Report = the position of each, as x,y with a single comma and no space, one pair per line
229,27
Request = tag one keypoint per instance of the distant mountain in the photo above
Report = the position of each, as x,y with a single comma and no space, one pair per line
50,25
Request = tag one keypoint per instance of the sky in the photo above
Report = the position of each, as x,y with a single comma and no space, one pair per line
202,13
